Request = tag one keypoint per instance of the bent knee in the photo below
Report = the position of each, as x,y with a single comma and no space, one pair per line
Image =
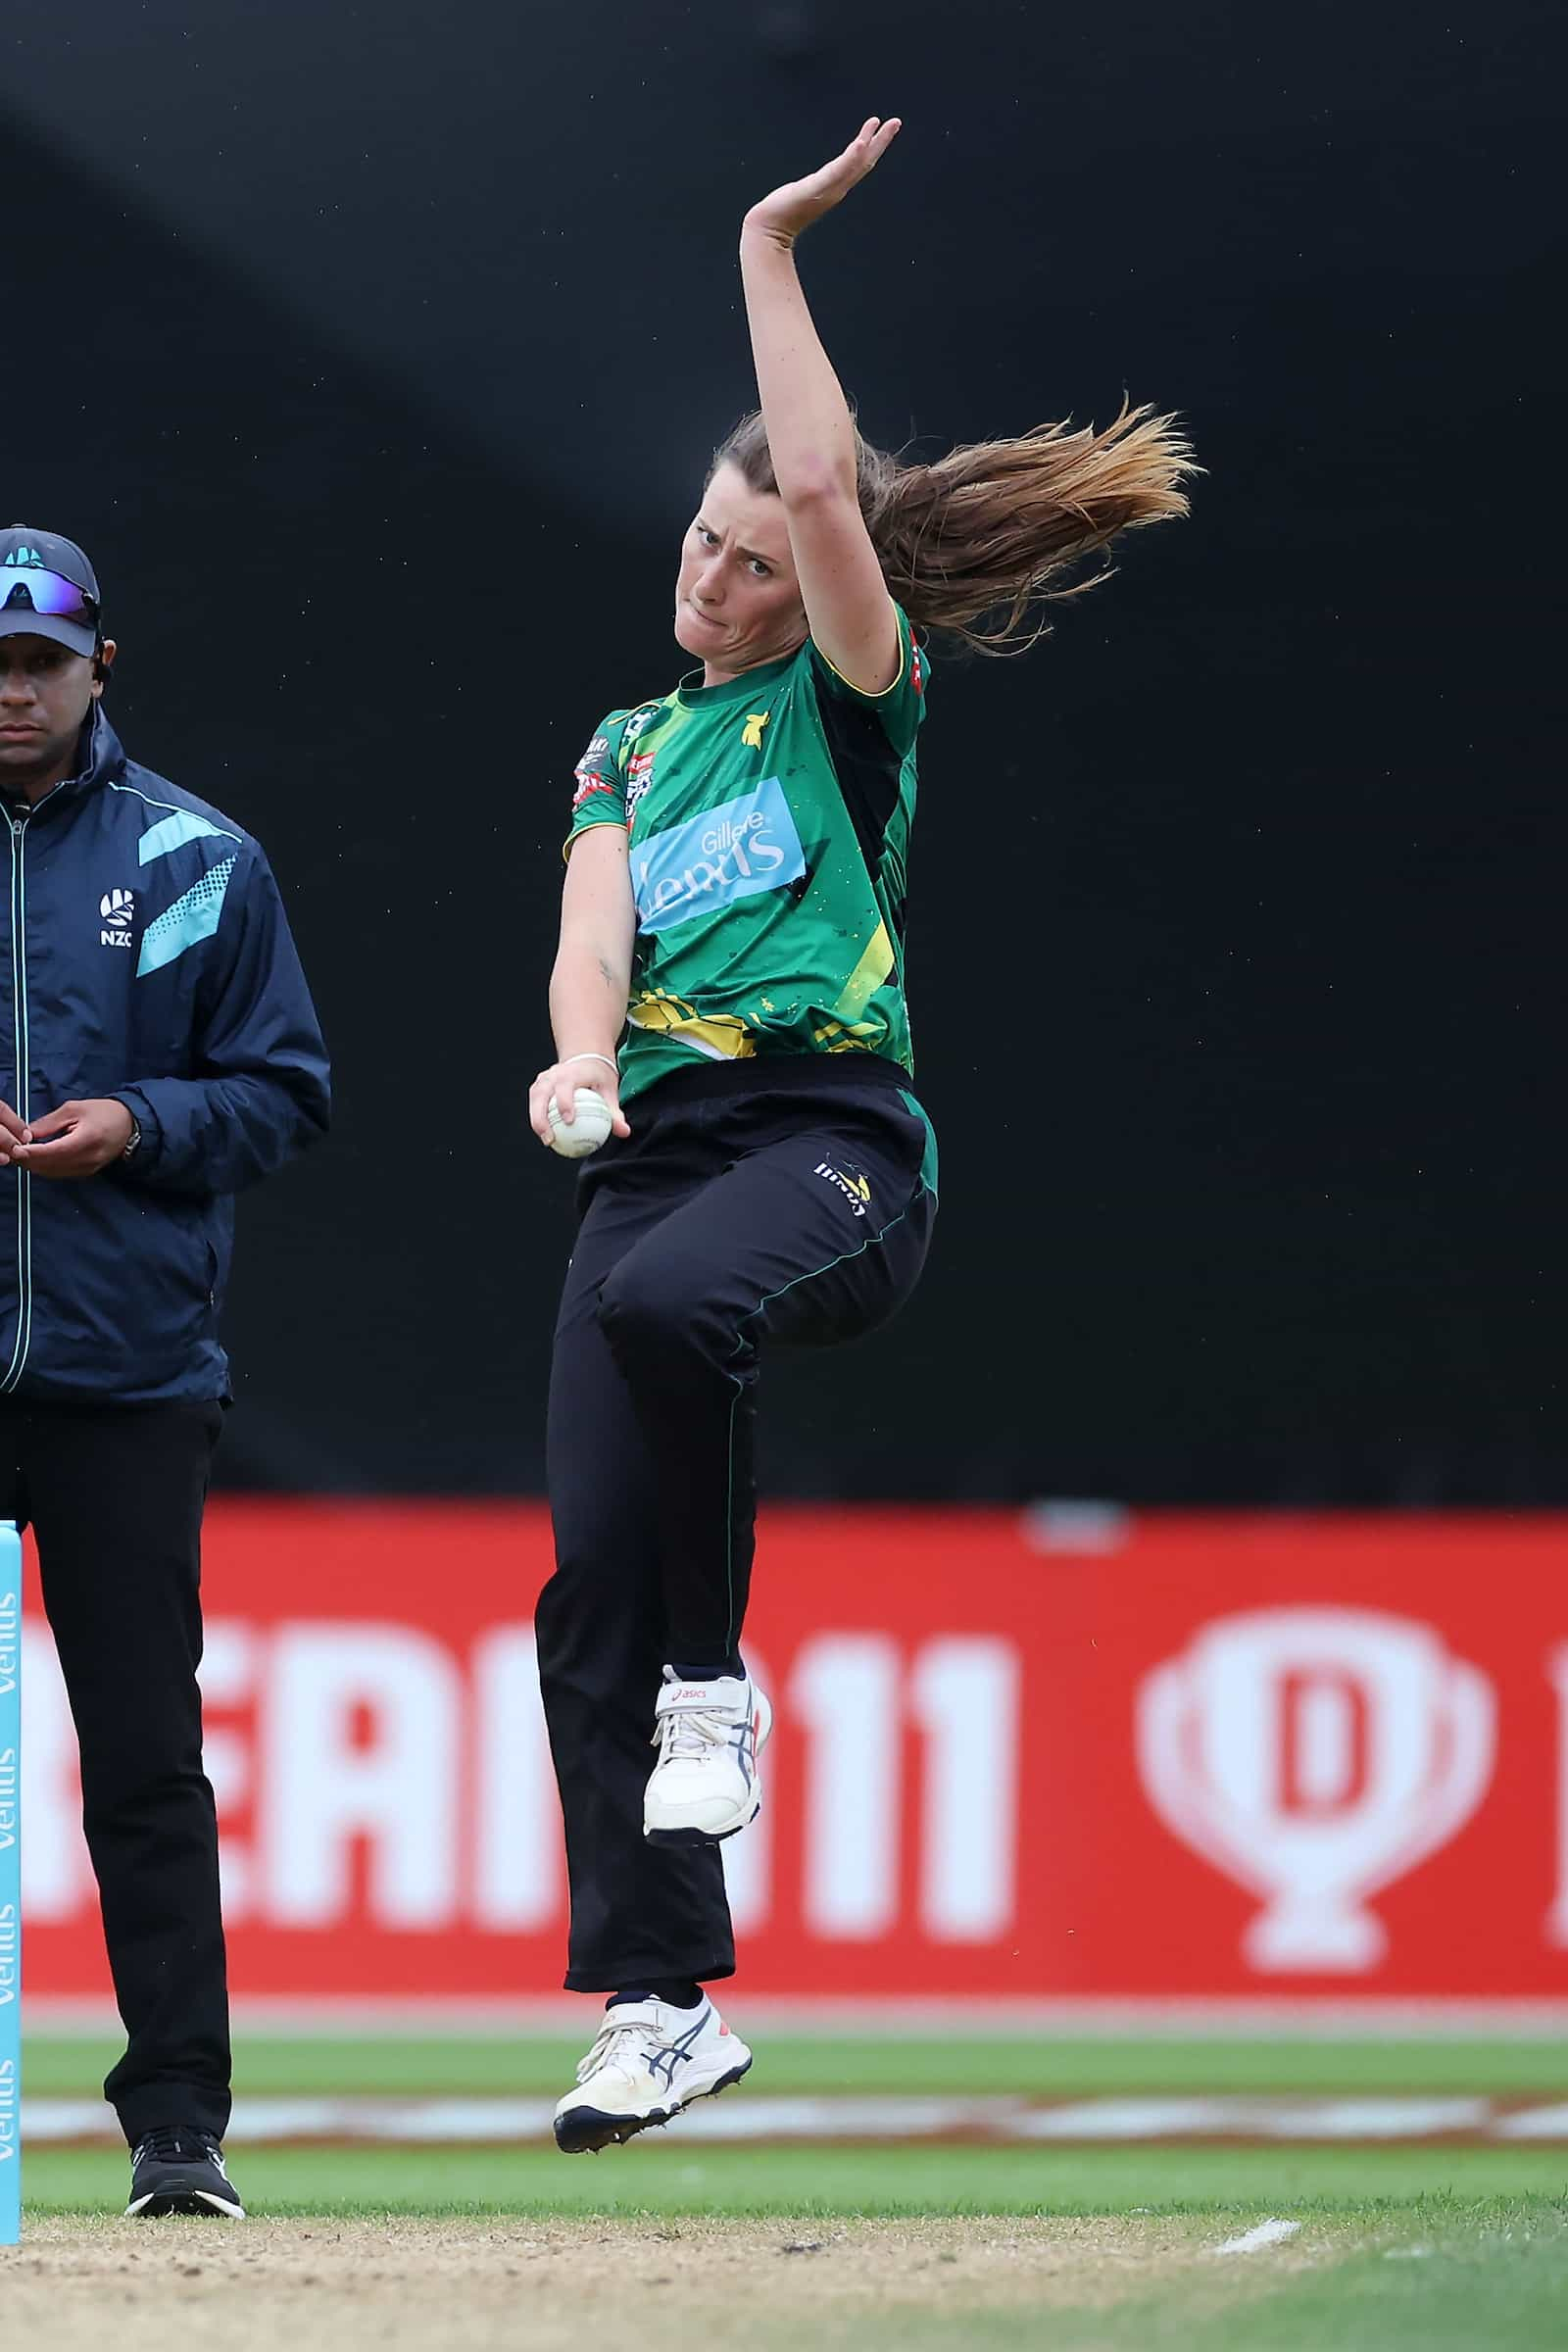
644,1308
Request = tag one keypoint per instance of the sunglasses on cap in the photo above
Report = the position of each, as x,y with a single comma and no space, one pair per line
25,586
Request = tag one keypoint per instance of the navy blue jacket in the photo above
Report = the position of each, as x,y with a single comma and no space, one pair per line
144,954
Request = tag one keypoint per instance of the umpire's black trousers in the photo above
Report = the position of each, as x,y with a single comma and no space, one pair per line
754,1201
115,1495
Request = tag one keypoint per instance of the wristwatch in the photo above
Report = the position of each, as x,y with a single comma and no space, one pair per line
133,1142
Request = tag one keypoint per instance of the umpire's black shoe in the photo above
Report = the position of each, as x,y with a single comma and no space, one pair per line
181,2171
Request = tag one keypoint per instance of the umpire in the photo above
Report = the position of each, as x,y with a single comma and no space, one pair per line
158,1051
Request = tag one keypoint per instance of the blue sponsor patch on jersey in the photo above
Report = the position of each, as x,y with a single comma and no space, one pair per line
750,845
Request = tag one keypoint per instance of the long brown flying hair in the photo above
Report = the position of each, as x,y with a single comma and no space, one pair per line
995,530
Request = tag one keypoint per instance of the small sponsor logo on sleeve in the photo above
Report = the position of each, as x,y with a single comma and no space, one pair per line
587,785
639,776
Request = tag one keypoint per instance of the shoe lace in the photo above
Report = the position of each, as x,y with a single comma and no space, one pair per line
690,1730
173,2143
621,2044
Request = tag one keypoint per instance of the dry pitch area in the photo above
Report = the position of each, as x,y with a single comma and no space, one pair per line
532,2286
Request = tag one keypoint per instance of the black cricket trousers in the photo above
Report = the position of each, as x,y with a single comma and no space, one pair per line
115,1495
754,1201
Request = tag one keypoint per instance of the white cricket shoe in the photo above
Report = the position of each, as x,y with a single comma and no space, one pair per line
705,1786
648,2062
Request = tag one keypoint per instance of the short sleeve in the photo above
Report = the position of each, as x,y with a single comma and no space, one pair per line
598,796
900,706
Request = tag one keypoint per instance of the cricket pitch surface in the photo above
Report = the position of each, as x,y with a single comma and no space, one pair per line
534,2285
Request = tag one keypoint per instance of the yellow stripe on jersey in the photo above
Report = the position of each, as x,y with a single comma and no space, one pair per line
867,976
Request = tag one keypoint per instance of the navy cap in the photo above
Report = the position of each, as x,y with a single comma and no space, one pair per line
22,609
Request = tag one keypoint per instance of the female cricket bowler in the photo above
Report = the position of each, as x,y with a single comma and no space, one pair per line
730,973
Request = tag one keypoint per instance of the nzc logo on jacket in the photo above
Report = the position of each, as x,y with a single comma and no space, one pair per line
117,909
747,846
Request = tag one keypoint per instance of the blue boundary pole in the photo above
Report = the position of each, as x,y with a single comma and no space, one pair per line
10,1883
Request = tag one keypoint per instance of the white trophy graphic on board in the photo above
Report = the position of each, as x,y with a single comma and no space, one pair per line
1315,1755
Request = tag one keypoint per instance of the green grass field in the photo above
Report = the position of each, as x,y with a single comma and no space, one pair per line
1400,2246
67,2066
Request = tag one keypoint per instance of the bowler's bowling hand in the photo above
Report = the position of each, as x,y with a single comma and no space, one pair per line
558,1084
794,206
77,1139
13,1131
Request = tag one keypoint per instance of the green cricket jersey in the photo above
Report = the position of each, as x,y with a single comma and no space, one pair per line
770,831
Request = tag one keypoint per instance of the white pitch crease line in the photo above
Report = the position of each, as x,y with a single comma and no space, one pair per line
1368,2118
393,2121
999,2118
1128,2118
459,2120
838,2118
1252,2241
64,2119
1533,2122
264,2119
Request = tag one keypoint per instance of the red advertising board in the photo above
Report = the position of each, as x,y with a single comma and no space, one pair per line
1022,1755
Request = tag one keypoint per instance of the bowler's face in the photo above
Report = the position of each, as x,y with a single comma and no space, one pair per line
737,599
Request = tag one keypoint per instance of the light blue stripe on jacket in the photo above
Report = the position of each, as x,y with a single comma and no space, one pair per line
195,915
174,832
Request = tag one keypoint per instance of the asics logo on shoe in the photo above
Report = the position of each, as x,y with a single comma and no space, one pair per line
663,2064
744,1742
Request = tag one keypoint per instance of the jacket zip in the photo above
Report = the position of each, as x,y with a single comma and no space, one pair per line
18,987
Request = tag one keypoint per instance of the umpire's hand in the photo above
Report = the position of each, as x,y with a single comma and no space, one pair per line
13,1131
77,1139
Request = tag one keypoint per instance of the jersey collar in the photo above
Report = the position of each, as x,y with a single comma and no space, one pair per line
745,688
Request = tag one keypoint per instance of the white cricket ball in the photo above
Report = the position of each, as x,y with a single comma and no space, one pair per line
574,1139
